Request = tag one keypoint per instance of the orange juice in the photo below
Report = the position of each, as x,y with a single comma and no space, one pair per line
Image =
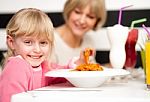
143,60
147,53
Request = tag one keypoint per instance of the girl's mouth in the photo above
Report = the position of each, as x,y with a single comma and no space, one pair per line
35,57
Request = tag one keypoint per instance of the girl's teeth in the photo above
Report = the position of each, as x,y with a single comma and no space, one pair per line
35,57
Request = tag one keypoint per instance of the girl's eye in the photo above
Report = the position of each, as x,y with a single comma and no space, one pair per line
27,42
43,43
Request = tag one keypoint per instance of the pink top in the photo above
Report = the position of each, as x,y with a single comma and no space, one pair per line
19,76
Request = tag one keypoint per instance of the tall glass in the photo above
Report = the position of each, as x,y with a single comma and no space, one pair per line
131,54
147,53
117,35
142,52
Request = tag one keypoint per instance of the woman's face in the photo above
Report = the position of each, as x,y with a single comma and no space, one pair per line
81,21
32,49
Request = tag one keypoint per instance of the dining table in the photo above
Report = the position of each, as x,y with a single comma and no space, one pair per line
123,90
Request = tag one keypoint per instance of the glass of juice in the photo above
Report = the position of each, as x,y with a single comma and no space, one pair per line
131,54
142,53
147,56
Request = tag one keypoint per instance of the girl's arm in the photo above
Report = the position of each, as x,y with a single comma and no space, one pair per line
13,79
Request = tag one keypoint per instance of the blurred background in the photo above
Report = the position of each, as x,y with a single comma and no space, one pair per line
140,9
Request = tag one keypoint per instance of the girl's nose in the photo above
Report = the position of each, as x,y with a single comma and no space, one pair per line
37,48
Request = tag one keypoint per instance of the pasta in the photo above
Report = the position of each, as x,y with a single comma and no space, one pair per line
87,53
88,66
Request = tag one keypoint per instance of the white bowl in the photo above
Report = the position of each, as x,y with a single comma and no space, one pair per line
87,81
87,78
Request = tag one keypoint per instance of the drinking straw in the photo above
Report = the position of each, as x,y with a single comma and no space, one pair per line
148,32
137,21
120,13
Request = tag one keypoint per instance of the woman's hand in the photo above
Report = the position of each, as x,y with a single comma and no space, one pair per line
82,59
85,56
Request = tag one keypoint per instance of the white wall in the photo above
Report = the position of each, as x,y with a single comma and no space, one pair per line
100,37
57,5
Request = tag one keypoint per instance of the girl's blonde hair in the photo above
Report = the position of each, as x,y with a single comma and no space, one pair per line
30,22
97,7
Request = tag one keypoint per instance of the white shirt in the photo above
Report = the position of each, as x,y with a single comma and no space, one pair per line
63,53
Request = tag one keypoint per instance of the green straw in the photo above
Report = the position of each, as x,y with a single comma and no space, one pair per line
137,21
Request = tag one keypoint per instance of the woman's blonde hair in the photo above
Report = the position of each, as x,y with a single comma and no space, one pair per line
97,7
30,22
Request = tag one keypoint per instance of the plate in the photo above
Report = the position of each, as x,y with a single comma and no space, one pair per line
70,73
87,78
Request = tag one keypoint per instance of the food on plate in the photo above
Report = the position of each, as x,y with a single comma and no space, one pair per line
87,66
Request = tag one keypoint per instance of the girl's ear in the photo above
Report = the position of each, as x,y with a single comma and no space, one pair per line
10,42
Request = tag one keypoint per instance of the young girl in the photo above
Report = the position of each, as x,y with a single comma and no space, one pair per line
30,42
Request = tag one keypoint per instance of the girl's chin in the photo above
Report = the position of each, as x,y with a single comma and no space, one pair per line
35,65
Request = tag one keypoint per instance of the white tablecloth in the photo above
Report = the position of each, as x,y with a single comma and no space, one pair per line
131,91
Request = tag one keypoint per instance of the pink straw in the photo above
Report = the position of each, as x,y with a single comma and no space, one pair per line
120,13
146,29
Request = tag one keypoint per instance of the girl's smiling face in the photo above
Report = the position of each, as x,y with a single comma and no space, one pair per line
32,49
81,20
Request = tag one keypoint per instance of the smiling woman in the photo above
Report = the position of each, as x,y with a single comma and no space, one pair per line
81,16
